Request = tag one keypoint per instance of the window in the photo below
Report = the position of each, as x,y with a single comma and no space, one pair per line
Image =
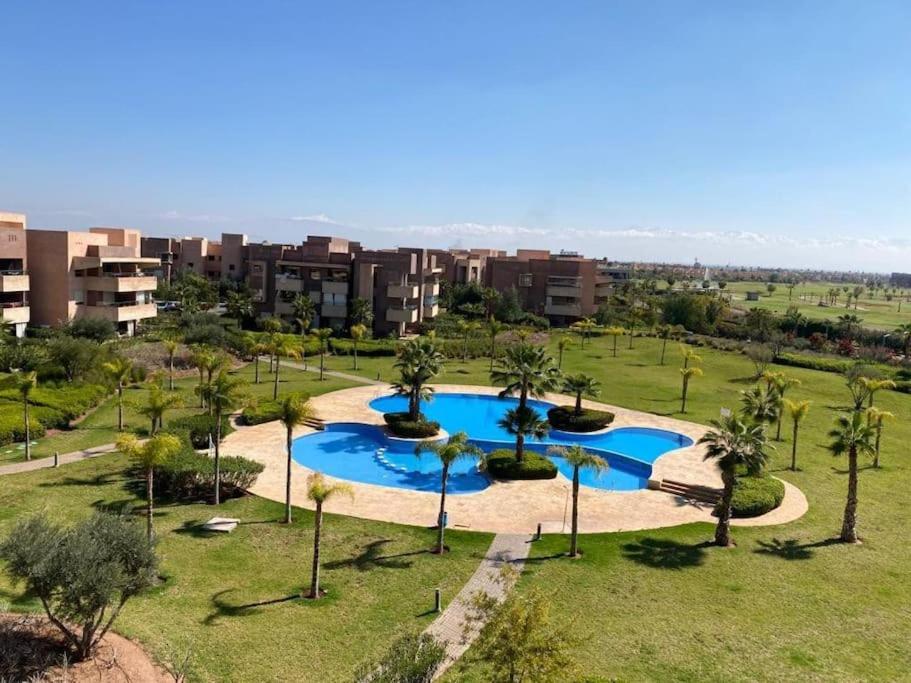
315,275
78,296
231,266
210,257
525,280
189,265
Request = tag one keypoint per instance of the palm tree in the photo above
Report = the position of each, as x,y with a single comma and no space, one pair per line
418,363
225,395
562,344
319,491
24,383
734,443
239,306
254,348
295,410
157,403
200,357
859,379
272,327
580,459
523,422
171,345
904,332
447,452
797,410
155,452
874,385
322,337
760,405
119,371
465,329
581,384
689,356
584,327
687,374
358,333
304,311
666,332
876,418
780,383
493,329
526,369
851,436
614,332
279,346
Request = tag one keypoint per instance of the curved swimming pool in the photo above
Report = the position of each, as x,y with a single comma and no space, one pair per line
363,453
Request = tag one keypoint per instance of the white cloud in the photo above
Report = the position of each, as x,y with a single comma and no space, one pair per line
316,218
173,215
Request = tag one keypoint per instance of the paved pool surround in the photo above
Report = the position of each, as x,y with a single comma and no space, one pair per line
503,507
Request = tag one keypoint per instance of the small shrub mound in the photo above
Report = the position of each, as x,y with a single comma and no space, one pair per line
590,420
502,464
199,427
191,475
756,495
402,427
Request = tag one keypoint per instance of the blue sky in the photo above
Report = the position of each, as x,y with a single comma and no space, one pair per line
775,133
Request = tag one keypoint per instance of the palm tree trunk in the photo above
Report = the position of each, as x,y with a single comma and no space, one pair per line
615,346
683,397
559,361
317,530
493,353
441,527
150,512
663,350
574,535
119,407
217,457
322,355
879,433
28,432
202,381
578,410
275,384
723,530
794,447
154,423
849,524
778,430
355,356
288,480
631,332
520,447
256,369
171,373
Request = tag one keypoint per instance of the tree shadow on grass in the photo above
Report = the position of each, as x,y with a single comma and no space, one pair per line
223,608
195,529
102,479
665,554
371,557
791,548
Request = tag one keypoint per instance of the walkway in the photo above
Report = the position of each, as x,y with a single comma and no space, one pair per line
450,627
333,373
43,463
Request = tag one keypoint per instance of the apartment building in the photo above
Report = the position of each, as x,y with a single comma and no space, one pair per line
14,278
402,285
211,259
97,274
464,266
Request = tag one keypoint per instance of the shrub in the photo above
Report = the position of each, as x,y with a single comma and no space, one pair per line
191,475
402,427
263,411
410,658
96,329
12,426
199,427
799,360
565,419
206,335
756,495
502,464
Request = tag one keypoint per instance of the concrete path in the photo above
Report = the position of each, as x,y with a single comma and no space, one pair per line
450,627
42,463
311,367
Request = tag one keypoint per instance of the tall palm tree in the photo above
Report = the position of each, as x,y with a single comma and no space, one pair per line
295,410
760,405
214,364
876,418
733,442
226,395
158,402
171,346
581,384
687,374
614,332
24,382
119,371
851,436
527,370
447,452
562,344
239,306
304,311
319,491
874,385
322,337
797,411
200,357
253,349
523,422
358,333
281,345
155,452
418,362
580,459
780,384
689,356
859,379
465,328
272,327
493,328
584,327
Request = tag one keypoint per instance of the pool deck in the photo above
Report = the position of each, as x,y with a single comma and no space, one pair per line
503,507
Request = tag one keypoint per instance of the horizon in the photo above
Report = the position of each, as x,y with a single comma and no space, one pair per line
737,136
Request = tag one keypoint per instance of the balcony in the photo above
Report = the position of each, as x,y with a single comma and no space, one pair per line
121,312
402,314
106,255
402,291
14,313
431,311
121,282
570,310
288,283
567,292
335,287
431,289
334,311
13,281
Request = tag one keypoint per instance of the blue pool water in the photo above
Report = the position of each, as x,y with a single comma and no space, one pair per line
363,453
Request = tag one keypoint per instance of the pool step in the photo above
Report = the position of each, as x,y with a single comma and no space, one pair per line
380,456
315,423
703,494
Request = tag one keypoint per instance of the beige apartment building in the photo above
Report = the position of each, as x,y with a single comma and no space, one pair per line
94,274
14,279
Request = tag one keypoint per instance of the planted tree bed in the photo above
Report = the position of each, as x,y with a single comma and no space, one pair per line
401,426
565,419
502,464
756,495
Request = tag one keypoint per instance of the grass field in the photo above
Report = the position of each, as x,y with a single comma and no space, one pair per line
786,603
876,312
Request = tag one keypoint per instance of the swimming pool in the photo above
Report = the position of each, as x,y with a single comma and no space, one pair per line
363,453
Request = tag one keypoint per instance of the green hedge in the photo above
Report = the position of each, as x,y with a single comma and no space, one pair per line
71,400
199,427
754,496
263,411
402,427
12,426
365,347
501,464
800,360
191,475
565,419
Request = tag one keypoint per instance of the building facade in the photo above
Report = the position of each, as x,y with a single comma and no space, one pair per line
14,277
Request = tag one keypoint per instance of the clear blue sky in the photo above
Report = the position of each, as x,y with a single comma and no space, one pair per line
766,132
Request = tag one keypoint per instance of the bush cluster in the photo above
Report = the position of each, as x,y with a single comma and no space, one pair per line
262,411
565,419
191,475
801,360
197,428
402,427
49,408
502,464
756,495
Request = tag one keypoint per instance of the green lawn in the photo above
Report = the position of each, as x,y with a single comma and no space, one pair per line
100,427
876,312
